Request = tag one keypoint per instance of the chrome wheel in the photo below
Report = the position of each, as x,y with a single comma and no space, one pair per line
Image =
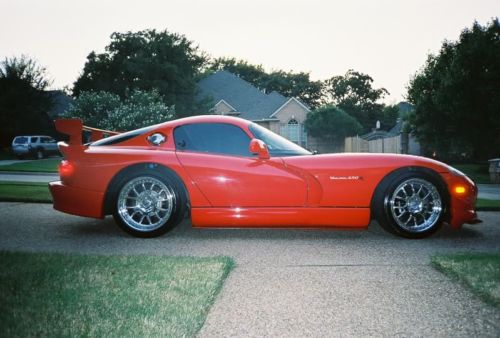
146,203
416,205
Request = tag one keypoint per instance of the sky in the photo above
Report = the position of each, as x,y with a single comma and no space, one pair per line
386,39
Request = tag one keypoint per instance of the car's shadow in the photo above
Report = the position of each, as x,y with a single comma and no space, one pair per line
108,228
95,227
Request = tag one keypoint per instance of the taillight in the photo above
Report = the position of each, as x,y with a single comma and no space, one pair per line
66,169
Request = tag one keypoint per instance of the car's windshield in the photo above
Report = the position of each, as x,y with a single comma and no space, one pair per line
277,145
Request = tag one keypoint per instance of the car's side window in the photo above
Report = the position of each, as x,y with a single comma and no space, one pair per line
34,140
216,138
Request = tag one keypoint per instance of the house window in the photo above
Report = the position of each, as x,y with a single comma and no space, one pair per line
295,132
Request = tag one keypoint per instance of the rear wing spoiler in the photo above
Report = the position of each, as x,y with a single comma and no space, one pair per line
74,128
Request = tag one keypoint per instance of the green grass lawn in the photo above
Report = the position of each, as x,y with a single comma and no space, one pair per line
55,295
486,204
479,272
24,192
46,165
477,172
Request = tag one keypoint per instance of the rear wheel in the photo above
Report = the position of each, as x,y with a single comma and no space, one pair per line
148,205
39,154
411,205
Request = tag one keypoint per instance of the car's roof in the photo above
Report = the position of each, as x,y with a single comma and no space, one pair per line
206,119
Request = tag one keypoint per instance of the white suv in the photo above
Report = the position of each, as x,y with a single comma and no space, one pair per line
38,146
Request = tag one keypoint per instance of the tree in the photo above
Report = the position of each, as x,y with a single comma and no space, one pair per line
353,93
146,60
332,124
26,70
255,74
389,116
93,108
296,85
289,84
456,96
107,111
23,102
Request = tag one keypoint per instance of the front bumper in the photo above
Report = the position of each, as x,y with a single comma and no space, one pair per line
77,201
462,207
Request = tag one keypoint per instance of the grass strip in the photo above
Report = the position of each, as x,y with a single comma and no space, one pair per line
487,204
48,165
56,295
480,272
25,192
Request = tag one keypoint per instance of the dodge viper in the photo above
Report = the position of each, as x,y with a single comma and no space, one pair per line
228,172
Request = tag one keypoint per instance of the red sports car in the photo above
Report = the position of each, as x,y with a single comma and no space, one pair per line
229,172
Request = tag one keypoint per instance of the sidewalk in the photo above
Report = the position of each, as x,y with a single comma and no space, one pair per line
19,176
489,191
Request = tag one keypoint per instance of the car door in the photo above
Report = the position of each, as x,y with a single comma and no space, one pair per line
217,159
44,142
49,144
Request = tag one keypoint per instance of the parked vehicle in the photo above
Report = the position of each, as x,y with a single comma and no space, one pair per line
38,146
229,172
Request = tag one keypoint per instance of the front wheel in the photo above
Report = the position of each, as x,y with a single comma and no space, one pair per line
412,205
148,205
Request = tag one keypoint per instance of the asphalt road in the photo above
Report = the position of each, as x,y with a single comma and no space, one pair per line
296,283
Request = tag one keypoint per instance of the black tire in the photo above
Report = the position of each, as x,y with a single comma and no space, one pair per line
160,198
39,153
410,204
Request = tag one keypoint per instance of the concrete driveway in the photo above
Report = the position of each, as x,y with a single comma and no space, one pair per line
296,283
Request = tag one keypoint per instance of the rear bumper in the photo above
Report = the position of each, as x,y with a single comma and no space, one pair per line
77,201
21,151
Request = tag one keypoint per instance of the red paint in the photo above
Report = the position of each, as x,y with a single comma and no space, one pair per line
349,218
333,190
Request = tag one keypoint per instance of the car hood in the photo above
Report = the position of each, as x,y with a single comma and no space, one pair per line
362,161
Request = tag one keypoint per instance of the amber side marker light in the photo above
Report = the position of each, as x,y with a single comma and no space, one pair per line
65,169
460,190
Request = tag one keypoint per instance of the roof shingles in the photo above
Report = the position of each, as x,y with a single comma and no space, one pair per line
252,103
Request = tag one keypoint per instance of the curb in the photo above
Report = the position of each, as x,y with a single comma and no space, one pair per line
25,200
488,209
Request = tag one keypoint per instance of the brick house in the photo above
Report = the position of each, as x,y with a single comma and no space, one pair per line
234,96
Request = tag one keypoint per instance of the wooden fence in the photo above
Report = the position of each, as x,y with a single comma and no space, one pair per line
384,145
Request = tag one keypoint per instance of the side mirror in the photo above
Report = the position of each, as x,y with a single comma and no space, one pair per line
259,148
